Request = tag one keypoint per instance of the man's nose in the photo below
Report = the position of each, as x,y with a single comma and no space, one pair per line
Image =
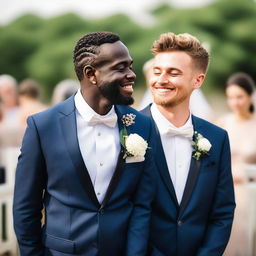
162,79
131,75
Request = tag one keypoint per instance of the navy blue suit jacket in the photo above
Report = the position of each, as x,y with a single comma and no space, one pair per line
201,224
51,174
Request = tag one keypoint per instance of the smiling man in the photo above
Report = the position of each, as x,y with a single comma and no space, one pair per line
194,205
73,164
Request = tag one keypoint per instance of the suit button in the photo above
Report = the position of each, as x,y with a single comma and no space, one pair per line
179,223
101,211
94,245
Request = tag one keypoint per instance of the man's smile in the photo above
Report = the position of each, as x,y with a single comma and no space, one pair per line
128,87
164,90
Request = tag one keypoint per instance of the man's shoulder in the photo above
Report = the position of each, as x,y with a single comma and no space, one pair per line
146,111
127,110
209,127
65,108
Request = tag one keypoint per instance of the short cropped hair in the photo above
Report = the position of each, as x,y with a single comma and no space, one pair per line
183,42
29,88
87,49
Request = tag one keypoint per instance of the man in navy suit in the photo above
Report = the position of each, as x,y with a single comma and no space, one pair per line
194,205
73,165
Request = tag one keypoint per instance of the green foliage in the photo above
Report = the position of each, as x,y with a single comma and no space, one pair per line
15,49
42,49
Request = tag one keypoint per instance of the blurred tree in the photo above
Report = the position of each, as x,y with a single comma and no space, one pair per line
42,48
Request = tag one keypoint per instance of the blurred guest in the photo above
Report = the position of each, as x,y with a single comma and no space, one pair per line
29,99
1,111
241,126
147,71
199,105
64,90
8,97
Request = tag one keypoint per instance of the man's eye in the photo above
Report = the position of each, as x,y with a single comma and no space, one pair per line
121,68
174,74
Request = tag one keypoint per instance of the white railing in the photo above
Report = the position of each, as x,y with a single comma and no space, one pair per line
8,160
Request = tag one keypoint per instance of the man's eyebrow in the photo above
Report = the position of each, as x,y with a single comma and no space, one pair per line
169,68
123,63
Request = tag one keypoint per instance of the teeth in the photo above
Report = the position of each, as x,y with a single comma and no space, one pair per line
128,86
164,90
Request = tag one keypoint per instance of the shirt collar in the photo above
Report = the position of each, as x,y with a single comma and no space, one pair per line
163,123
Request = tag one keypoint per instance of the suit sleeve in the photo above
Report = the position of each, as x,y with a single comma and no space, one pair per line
221,218
138,232
29,186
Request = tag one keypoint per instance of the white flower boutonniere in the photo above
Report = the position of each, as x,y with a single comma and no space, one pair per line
200,145
134,145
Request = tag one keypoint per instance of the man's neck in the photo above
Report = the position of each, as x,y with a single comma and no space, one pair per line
100,105
177,115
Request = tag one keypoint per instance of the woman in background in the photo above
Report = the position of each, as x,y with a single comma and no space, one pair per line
241,127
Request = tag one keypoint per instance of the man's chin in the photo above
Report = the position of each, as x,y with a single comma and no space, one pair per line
121,100
125,101
163,103
167,103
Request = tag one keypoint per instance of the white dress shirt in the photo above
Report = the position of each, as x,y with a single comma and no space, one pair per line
99,146
177,150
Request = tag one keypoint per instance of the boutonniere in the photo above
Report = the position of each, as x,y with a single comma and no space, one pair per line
200,145
134,145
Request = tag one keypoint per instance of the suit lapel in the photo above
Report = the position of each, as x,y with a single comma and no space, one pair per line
69,129
193,173
190,184
161,161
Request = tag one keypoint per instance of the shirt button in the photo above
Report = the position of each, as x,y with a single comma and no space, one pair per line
180,223
101,164
99,133
98,193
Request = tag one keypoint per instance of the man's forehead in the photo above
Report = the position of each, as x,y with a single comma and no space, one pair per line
113,52
171,58
112,48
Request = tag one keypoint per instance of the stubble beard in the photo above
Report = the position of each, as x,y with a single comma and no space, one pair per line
169,103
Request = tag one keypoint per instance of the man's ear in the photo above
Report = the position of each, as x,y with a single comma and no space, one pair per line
199,79
89,73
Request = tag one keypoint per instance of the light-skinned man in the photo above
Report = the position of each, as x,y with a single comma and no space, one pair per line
194,205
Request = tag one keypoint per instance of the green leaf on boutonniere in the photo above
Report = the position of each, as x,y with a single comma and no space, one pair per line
123,135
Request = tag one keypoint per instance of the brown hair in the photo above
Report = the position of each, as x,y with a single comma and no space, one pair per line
30,88
245,82
183,42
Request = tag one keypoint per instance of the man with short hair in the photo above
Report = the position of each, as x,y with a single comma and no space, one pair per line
86,161
194,206
29,99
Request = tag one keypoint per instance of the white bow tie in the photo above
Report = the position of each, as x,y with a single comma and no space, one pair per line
186,132
109,120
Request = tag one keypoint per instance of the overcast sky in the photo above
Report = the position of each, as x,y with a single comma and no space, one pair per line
137,9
